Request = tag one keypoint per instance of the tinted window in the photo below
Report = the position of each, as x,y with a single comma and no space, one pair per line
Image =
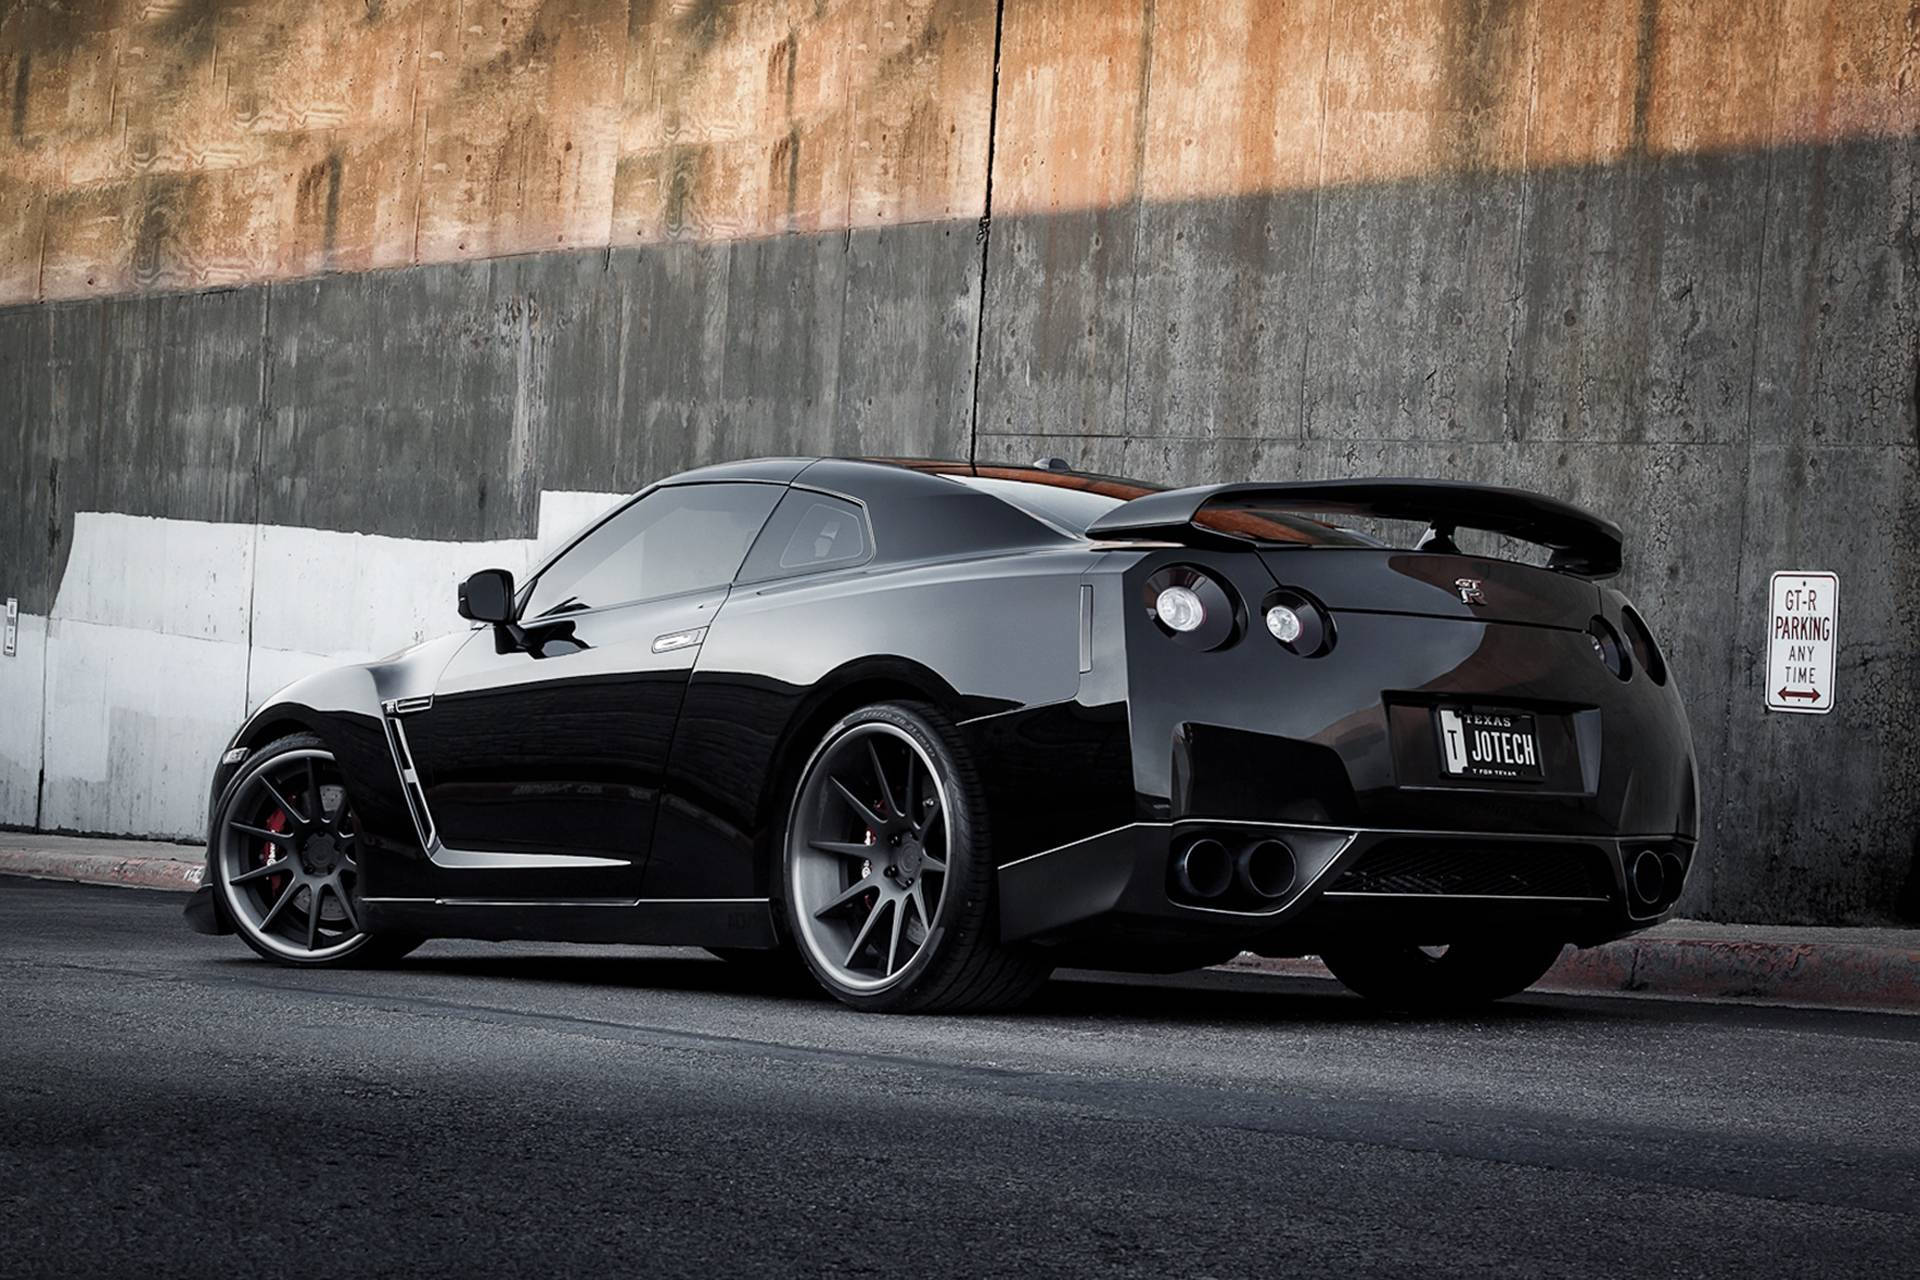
810,532
680,538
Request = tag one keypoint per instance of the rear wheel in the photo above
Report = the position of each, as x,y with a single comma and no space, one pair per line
887,877
1460,976
286,864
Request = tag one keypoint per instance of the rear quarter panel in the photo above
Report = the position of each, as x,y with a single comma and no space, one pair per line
980,637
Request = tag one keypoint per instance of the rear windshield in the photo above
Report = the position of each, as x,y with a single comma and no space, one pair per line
1068,509
1073,502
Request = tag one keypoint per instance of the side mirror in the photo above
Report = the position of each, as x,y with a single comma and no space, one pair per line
487,596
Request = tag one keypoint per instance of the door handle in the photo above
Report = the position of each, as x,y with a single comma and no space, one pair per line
689,639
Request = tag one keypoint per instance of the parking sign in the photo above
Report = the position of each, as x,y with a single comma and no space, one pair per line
1802,634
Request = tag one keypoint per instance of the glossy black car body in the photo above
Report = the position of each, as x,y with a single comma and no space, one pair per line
595,775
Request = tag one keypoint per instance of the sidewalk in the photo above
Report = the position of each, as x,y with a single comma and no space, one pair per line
1686,959
139,864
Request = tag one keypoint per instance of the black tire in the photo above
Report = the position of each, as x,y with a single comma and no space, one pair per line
1466,975
960,965
356,950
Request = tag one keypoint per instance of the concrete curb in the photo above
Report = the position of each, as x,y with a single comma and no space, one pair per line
1874,969
1826,974
131,870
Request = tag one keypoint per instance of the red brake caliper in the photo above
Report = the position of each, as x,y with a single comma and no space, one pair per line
872,840
275,884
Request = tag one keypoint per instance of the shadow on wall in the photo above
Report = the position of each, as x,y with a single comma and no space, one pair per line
1717,350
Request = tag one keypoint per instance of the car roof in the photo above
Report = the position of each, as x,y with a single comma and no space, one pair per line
1050,472
982,506
772,470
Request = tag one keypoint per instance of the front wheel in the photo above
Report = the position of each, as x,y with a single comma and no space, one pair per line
887,877
285,860
1456,977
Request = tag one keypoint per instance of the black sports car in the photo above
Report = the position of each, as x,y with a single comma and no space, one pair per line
933,729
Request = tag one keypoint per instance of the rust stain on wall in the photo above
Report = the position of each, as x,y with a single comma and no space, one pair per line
182,143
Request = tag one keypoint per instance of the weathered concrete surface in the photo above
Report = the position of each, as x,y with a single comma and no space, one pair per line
1652,257
197,143
192,144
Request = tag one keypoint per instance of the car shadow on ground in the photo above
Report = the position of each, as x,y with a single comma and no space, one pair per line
1203,997
1206,998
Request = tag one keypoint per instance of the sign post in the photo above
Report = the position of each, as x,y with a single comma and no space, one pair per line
1802,634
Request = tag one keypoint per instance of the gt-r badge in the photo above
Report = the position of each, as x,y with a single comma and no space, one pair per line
1470,592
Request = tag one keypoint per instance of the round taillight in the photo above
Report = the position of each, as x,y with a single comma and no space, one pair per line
1301,624
1284,623
1607,647
1192,607
1180,608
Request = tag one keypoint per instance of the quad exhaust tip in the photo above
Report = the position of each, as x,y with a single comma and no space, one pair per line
1266,869
1655,879
1676,873
1262,870
1203,869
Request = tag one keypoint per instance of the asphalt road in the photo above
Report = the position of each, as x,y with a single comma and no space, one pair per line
171,1105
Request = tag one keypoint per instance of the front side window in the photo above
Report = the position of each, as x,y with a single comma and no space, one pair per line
680,538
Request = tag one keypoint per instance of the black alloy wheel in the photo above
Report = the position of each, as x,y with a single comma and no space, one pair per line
888,883
285,860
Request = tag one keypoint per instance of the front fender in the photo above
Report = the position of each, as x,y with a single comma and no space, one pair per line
342,705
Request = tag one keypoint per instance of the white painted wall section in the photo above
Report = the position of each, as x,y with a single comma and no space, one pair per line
165,633
22,684
134,722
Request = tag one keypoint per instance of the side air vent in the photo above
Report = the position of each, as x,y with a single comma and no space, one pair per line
410,785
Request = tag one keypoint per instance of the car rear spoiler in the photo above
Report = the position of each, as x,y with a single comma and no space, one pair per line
1583,544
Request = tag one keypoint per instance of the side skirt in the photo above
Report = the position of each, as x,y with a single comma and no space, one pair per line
665,922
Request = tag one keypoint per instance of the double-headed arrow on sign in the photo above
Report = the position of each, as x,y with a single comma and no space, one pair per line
1811,695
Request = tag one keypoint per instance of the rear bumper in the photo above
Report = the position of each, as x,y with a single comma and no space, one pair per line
1120,887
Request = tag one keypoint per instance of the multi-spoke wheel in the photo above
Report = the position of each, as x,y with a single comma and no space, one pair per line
888,884
285,859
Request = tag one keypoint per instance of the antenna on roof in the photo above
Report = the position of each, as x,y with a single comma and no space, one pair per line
1051,464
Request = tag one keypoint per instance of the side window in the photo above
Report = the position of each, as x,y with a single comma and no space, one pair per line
680,538
808,533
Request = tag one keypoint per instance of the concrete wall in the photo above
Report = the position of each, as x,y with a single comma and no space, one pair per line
1656,258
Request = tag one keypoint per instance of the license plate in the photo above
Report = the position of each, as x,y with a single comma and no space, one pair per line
1489,744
